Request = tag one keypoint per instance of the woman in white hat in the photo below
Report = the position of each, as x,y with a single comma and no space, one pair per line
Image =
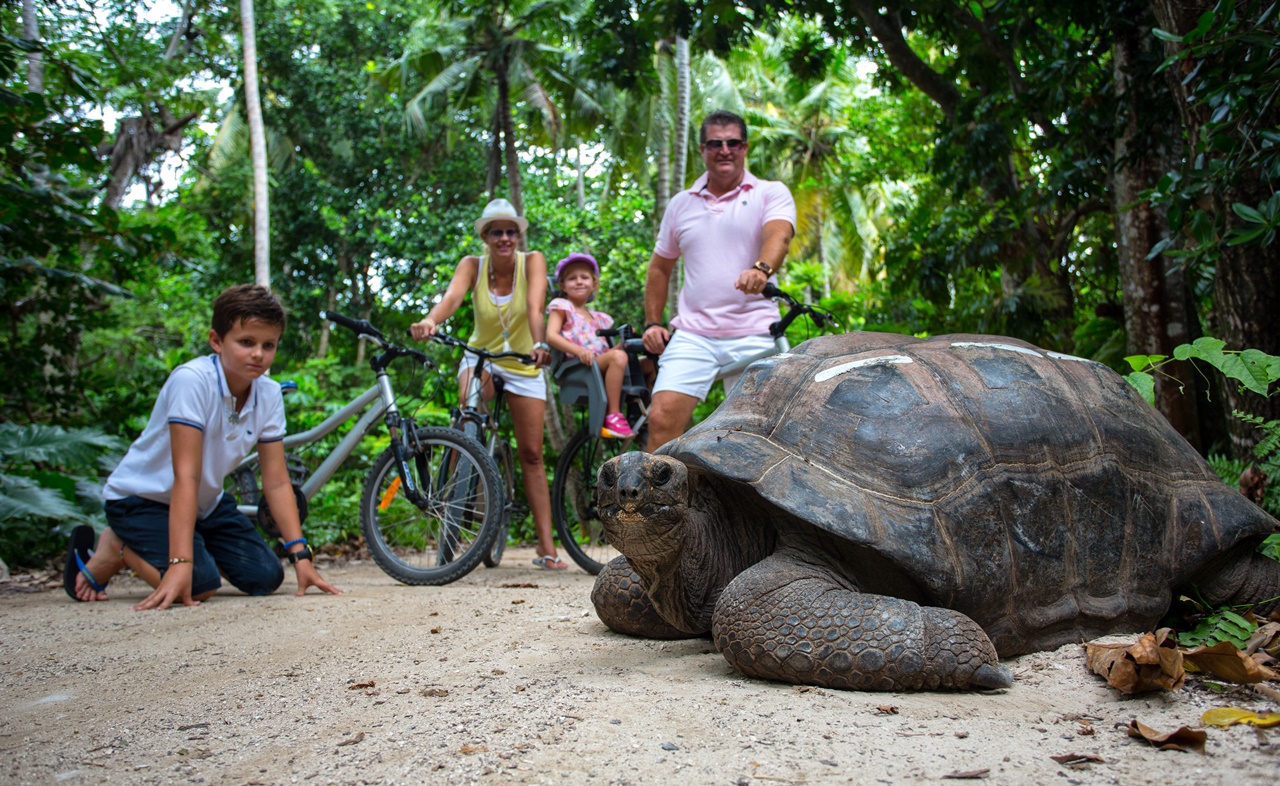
508,290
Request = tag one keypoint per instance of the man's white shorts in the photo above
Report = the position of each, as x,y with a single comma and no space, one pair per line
690,363
532,387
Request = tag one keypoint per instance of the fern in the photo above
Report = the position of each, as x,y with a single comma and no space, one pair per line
1223,624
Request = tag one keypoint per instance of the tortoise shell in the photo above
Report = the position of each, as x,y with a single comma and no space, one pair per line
1028,489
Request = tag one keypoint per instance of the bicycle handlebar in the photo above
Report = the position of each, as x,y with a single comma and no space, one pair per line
362,328
481,352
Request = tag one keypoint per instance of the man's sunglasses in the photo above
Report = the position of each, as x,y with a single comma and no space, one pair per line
716,144
498,234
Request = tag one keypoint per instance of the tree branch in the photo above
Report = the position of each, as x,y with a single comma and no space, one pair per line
1062,236
940,90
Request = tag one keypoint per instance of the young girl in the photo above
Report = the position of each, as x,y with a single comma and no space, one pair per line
571,328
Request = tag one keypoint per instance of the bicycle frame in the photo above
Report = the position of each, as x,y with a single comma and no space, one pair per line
328,467
780,345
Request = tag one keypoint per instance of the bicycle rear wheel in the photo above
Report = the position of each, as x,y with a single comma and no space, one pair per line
573,497
445,536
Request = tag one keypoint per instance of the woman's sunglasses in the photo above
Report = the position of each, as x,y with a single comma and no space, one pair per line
716,144
498,234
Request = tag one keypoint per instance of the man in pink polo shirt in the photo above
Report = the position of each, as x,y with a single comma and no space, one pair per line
733,231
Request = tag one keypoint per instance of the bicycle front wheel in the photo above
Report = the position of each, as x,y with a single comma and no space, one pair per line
444,536
503,460
573,497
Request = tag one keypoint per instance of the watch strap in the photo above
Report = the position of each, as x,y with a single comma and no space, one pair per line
302,553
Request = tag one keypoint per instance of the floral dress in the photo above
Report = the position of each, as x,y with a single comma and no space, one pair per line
579,329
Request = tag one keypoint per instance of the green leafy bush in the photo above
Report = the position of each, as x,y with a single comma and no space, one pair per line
49,483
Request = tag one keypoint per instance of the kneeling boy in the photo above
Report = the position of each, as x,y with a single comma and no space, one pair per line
170,521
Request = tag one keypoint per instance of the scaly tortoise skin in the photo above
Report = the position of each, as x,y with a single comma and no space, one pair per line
879,512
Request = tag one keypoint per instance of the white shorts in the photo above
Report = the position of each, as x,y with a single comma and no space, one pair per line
690,363
531,387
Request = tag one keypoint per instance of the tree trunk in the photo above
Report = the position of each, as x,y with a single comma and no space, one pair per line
137,140
35,60
509,139
580,187
258,147
680,158
1155,319
330,304
1246,287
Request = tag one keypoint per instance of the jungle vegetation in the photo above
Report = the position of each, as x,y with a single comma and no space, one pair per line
1095,177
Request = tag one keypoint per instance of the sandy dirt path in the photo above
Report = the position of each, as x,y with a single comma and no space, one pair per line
507,677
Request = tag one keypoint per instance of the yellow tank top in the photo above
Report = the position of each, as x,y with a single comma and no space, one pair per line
514,315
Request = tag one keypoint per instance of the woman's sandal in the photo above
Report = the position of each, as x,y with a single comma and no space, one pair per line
549,563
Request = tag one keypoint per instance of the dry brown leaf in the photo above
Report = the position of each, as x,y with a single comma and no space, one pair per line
434,692
509,585
359,685
1077,760
1180,739
1153,662
967,775
886,709
472,749
359,736
1225,661
1265,638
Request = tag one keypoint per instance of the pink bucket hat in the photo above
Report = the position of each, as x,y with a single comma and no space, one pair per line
577,256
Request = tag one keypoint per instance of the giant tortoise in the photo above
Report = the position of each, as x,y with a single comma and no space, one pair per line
880,512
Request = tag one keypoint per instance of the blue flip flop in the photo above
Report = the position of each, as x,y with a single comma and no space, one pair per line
82,540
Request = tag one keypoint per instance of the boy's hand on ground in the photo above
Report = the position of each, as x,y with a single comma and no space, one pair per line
308,576
174,587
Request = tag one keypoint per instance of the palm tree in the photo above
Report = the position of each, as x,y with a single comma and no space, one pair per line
795,90
462,56
258,149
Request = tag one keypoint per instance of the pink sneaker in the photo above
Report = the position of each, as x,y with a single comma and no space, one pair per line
615,425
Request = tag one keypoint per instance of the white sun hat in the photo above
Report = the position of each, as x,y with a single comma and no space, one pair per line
499,210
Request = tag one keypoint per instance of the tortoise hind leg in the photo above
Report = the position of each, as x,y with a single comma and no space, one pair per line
774,623
1241,577
623,605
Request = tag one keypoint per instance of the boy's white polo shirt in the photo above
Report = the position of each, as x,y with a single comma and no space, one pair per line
196,394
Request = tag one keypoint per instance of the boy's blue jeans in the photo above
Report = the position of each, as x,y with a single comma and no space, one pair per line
225,544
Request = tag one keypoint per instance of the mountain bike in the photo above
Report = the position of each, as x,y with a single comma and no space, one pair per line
486,424
420,524
573,492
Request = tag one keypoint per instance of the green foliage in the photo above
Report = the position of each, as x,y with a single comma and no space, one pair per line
1231,75
48,482
1218,625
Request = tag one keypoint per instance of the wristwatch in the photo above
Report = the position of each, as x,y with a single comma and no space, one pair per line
303,553
541,345
763,268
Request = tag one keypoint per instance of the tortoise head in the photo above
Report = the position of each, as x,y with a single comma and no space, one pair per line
643,503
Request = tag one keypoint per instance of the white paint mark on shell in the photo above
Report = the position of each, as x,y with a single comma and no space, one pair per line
835,371
1061,356
784,355
992,345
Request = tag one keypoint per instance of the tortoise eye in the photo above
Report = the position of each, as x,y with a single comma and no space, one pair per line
661,473
608,474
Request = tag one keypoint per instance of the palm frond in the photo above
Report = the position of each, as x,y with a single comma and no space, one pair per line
37,444
21,498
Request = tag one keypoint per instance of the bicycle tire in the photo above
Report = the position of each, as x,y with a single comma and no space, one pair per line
573,497
507,481
447,537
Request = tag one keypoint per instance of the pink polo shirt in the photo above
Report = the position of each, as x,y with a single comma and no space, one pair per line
719,238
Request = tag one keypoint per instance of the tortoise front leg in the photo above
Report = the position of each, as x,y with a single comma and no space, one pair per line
774,625
623,605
